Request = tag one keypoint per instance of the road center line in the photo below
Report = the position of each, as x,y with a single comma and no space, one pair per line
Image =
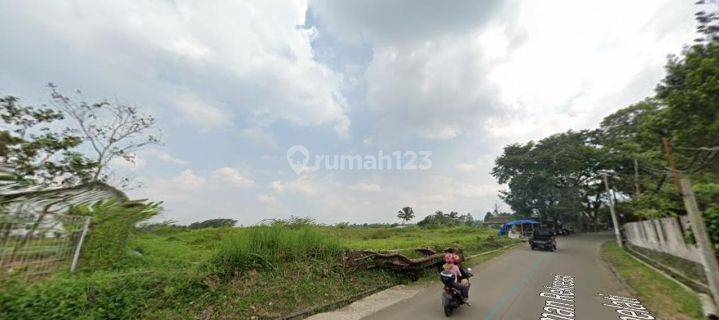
514,289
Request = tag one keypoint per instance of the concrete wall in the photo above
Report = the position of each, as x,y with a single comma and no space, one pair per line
664,235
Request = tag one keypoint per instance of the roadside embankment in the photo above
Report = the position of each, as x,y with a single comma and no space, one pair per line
665,298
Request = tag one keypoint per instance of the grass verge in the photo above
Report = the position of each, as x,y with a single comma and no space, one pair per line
228,273
665,298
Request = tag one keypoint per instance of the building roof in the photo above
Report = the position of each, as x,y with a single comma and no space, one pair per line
16,197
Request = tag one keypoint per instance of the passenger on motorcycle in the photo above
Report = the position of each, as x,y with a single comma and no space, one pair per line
454,277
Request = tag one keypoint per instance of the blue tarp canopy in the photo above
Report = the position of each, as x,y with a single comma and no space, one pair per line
508,225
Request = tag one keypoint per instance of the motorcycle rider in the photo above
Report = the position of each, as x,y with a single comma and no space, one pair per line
455,277
463,277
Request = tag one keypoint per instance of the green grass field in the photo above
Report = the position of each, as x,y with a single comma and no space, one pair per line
260,272
666,299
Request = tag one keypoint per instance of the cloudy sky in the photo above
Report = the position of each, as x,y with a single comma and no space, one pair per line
235,84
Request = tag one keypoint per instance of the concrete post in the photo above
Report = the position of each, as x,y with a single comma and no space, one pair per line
703,242
76,257
615,221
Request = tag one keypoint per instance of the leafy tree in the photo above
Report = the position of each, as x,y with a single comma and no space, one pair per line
689,116
45,145
406,214
439,218
468,219
488,216
557,178
625,137
34,151
707,25
213,223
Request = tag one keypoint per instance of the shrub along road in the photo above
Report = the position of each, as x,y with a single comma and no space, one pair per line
571,283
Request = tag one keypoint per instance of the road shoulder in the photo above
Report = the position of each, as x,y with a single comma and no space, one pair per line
666,299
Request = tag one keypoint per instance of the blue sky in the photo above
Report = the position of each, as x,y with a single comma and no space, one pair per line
235,84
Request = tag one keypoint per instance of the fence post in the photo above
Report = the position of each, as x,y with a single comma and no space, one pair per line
76,257
700,234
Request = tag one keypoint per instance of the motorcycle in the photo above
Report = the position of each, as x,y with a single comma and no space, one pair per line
452,297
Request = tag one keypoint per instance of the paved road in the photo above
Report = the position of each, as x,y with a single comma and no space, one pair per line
509,286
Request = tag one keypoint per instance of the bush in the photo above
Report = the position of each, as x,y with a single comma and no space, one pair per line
112,225
264,247
99,296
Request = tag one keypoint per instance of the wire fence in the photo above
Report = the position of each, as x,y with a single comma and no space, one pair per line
34,245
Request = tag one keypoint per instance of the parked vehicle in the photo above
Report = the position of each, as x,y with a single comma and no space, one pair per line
452,297
544,239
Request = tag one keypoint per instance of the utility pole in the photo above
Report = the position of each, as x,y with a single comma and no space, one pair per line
711,268
672,164
637,191
709,260
614,214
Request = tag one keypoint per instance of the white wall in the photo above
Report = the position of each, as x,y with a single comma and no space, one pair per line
664,235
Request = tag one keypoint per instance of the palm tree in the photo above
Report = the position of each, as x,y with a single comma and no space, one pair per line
406,214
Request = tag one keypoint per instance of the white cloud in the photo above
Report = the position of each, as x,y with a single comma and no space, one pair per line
188,180
259,136
302,185
213,62
470,75
427,76
137,162
574,68
265,198
404,21
233,177
189,48
468,190
515,70
434,90
200,113
484,162
277,186
365,187
466,167
163,156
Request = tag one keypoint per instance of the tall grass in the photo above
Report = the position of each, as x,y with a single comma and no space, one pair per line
265,247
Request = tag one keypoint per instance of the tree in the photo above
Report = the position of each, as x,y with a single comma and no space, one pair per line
689,115
42,148
213,223
707,25
439,218
488,216
559,175
625,138
406,214
111,129
556,178
35,151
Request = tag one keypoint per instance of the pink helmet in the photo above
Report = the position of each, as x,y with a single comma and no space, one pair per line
449,258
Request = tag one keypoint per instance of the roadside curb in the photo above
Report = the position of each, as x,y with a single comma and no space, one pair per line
511,246
332,305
